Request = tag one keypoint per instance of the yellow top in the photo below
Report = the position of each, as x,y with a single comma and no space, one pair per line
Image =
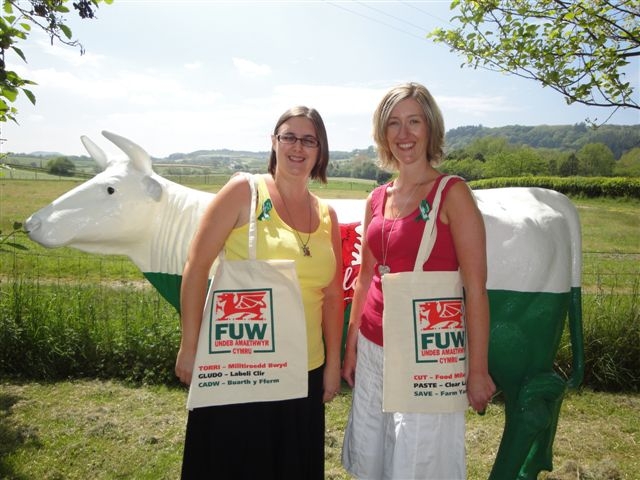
277,240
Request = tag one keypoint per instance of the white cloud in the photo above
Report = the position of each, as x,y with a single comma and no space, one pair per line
328,99
247,68
148,89
193,65
35,118
477,105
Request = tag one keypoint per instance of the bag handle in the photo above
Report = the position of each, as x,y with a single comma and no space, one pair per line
253,223
430,230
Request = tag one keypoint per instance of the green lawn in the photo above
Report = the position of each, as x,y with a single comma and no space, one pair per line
84,429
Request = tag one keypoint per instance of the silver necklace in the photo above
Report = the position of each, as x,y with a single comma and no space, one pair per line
383,268
304,246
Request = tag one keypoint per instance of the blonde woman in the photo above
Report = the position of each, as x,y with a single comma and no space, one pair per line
409,133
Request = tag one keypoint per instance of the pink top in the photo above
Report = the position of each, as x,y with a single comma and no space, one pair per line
403,239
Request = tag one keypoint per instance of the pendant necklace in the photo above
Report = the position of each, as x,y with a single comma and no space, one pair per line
304,246
383,268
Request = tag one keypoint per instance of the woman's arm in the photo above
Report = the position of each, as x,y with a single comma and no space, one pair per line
333,317
461,212
229,209
362,285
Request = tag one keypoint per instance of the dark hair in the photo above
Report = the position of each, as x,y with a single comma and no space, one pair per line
435,123
320,168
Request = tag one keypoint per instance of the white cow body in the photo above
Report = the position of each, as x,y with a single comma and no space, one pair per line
533,235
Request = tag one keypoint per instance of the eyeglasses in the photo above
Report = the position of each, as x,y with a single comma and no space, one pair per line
291,139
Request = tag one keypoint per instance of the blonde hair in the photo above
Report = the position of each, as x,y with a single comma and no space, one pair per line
435,123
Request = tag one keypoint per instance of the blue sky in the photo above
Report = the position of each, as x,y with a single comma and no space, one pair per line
183,75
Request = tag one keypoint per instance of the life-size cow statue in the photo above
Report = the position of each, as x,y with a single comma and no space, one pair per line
534,268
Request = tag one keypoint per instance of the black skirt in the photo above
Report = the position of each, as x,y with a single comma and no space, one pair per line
258,441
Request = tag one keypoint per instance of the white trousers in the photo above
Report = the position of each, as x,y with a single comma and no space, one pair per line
395,445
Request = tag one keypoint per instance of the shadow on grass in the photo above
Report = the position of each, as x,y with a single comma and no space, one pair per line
13,438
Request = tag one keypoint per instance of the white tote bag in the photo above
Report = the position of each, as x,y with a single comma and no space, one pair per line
253,340
424,334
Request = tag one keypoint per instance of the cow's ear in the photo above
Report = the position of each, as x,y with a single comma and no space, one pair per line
152,187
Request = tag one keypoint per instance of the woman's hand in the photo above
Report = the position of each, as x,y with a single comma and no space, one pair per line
349,367
331,383
480,390
184,365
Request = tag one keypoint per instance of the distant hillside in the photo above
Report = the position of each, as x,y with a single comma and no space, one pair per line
619,138
46,154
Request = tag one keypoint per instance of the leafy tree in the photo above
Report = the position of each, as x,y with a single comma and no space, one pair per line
531,161
595,160
579,48
569,167
629,164
467,168
16,22
619,138
514,164
552,158
501,164
61,166
364,169
482,147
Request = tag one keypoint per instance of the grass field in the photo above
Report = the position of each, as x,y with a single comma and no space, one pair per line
105,430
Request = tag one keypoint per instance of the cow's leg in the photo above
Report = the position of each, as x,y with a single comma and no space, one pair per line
550,389
530,424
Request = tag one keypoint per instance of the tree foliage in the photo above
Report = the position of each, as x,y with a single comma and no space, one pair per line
61,166
359,166
579,48
569,167
629,164
17,20
619,138
510,160
595,159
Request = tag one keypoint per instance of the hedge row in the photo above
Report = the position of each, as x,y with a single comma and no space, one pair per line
589,187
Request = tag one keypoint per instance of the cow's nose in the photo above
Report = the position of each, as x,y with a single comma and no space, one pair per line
32,224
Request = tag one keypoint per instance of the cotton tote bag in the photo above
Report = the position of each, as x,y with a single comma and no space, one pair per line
253,341
424,368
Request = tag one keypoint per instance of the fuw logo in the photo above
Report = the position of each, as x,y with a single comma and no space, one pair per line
438,314
240,305
439,330
241,322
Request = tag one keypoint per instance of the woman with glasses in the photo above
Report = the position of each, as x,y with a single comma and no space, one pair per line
409,133
280,439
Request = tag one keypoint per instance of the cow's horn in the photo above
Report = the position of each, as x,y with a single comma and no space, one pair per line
136,153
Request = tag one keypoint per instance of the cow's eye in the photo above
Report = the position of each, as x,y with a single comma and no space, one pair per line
111,190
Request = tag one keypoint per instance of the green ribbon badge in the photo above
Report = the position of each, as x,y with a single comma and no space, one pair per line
266,208
424,211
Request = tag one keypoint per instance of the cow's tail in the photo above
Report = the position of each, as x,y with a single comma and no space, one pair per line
575,302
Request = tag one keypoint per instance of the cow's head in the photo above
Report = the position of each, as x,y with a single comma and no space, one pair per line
114,208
